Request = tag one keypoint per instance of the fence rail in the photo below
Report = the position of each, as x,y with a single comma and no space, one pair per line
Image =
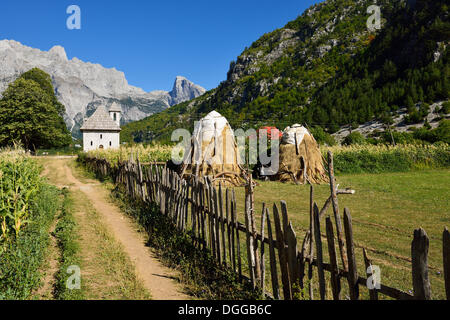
209,214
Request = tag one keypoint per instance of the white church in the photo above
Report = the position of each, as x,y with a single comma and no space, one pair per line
102,130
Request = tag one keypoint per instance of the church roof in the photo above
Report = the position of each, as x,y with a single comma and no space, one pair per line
115,108
100,121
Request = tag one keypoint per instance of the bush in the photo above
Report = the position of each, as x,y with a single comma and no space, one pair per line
323,137
445,109
399,137
441,133
414,117
354,138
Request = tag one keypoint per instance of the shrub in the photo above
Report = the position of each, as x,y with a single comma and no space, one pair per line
414,117
399,137
323,137
445,109
354,138
441,133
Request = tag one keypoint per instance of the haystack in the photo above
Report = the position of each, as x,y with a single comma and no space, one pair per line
214,152
300,157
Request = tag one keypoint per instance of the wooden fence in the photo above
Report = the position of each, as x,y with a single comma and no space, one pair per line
210,214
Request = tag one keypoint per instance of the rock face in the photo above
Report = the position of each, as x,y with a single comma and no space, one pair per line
83,86
184,90
366,129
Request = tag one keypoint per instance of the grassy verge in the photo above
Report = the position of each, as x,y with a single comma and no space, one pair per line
66,234
109,273
21,260
200,273
106,271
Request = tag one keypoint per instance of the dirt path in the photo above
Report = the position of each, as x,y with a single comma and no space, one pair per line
156,278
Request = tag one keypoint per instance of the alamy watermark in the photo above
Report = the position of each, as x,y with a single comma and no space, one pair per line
74,20
74,281
374,21
374,281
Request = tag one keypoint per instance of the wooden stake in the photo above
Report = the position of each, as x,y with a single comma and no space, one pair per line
319,253
352,269
419,254
273,262
337,217
262,260
282,255
335,282
446,256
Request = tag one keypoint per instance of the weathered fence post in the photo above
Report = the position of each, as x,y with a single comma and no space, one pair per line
335,281
291,240
446,256
311,245
272,257
222,226
319,252
216,226
232,230
254,232
337,216
419,254
301,258
249,237
229,228
262,259
282,255
352,269
368,264
238,242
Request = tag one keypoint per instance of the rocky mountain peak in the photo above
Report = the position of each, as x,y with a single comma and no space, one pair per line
184,90
59,52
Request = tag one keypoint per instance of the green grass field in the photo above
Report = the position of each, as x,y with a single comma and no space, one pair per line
385,210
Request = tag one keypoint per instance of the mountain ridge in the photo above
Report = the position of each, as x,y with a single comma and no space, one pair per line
83,86
326,68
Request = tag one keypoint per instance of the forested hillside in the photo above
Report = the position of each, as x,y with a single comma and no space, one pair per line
327,69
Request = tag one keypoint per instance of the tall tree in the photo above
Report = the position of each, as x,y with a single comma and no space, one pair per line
30,114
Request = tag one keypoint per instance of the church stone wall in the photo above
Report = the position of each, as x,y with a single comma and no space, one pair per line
93,140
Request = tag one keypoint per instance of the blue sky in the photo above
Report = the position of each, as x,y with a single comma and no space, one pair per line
151,41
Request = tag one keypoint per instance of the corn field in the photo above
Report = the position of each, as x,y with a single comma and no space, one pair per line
348,159
385,158
19,186
158,153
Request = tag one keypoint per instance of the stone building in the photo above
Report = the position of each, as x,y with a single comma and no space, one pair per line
102,130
